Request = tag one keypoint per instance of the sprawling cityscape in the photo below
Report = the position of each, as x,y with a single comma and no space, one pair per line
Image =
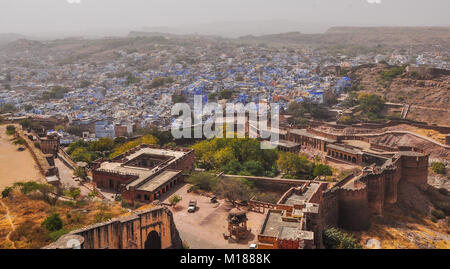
359,152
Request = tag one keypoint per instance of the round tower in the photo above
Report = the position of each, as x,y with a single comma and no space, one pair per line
415,168
354,208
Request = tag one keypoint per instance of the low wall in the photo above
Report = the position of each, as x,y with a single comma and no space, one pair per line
273,184
38,156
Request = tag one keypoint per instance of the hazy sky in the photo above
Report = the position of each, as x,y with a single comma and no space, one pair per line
88,16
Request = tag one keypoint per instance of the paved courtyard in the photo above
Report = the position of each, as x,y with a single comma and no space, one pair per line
204,229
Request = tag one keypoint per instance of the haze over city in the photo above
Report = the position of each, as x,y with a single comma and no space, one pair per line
224,124
232,18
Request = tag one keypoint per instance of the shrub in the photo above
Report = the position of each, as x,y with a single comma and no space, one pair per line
73,193
102,216
6,191
55,235
335,239
80,172
175,199
438,214
53,222
438,168
10,130
93,194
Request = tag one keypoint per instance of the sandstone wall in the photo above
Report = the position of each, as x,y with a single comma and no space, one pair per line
131,232
354,209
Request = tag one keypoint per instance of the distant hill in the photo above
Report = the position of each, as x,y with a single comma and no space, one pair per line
394,37
6,38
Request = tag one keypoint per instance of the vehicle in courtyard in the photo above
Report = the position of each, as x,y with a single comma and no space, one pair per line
192,206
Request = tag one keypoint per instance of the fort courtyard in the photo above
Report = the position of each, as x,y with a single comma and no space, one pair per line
204,228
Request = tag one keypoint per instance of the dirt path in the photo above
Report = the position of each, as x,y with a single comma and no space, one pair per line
13,227
15,165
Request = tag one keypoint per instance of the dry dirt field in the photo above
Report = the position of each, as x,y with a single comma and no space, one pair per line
15,165
204,228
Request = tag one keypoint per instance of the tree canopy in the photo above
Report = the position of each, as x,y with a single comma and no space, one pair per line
242,156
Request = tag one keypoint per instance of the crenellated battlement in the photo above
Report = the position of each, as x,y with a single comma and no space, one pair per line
348,204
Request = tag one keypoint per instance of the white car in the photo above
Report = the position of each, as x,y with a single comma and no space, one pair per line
192,206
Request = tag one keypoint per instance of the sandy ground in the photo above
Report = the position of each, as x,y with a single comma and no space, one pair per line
204,228
15,165
67,178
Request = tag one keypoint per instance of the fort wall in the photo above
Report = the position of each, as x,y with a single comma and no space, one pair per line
150,229
354,209
349,203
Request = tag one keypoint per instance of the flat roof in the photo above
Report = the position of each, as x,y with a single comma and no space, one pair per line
155,151
143,173
287,232
286,143
274,222
344,149
158,180
304,132
298,199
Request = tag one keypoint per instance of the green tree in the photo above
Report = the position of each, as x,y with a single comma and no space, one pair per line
322,170
174,200
53,222
146,139
371,103
73,193
204,181
294,165
234,189
254,168
80,172
103,144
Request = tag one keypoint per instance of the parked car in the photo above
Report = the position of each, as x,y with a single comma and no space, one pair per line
192,206
213,199
253,246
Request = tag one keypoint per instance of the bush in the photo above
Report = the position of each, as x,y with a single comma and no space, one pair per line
335,239
438,214
438,168
53,222
73,193
10,130
175,199
102,216
6,191
392,73
55,235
